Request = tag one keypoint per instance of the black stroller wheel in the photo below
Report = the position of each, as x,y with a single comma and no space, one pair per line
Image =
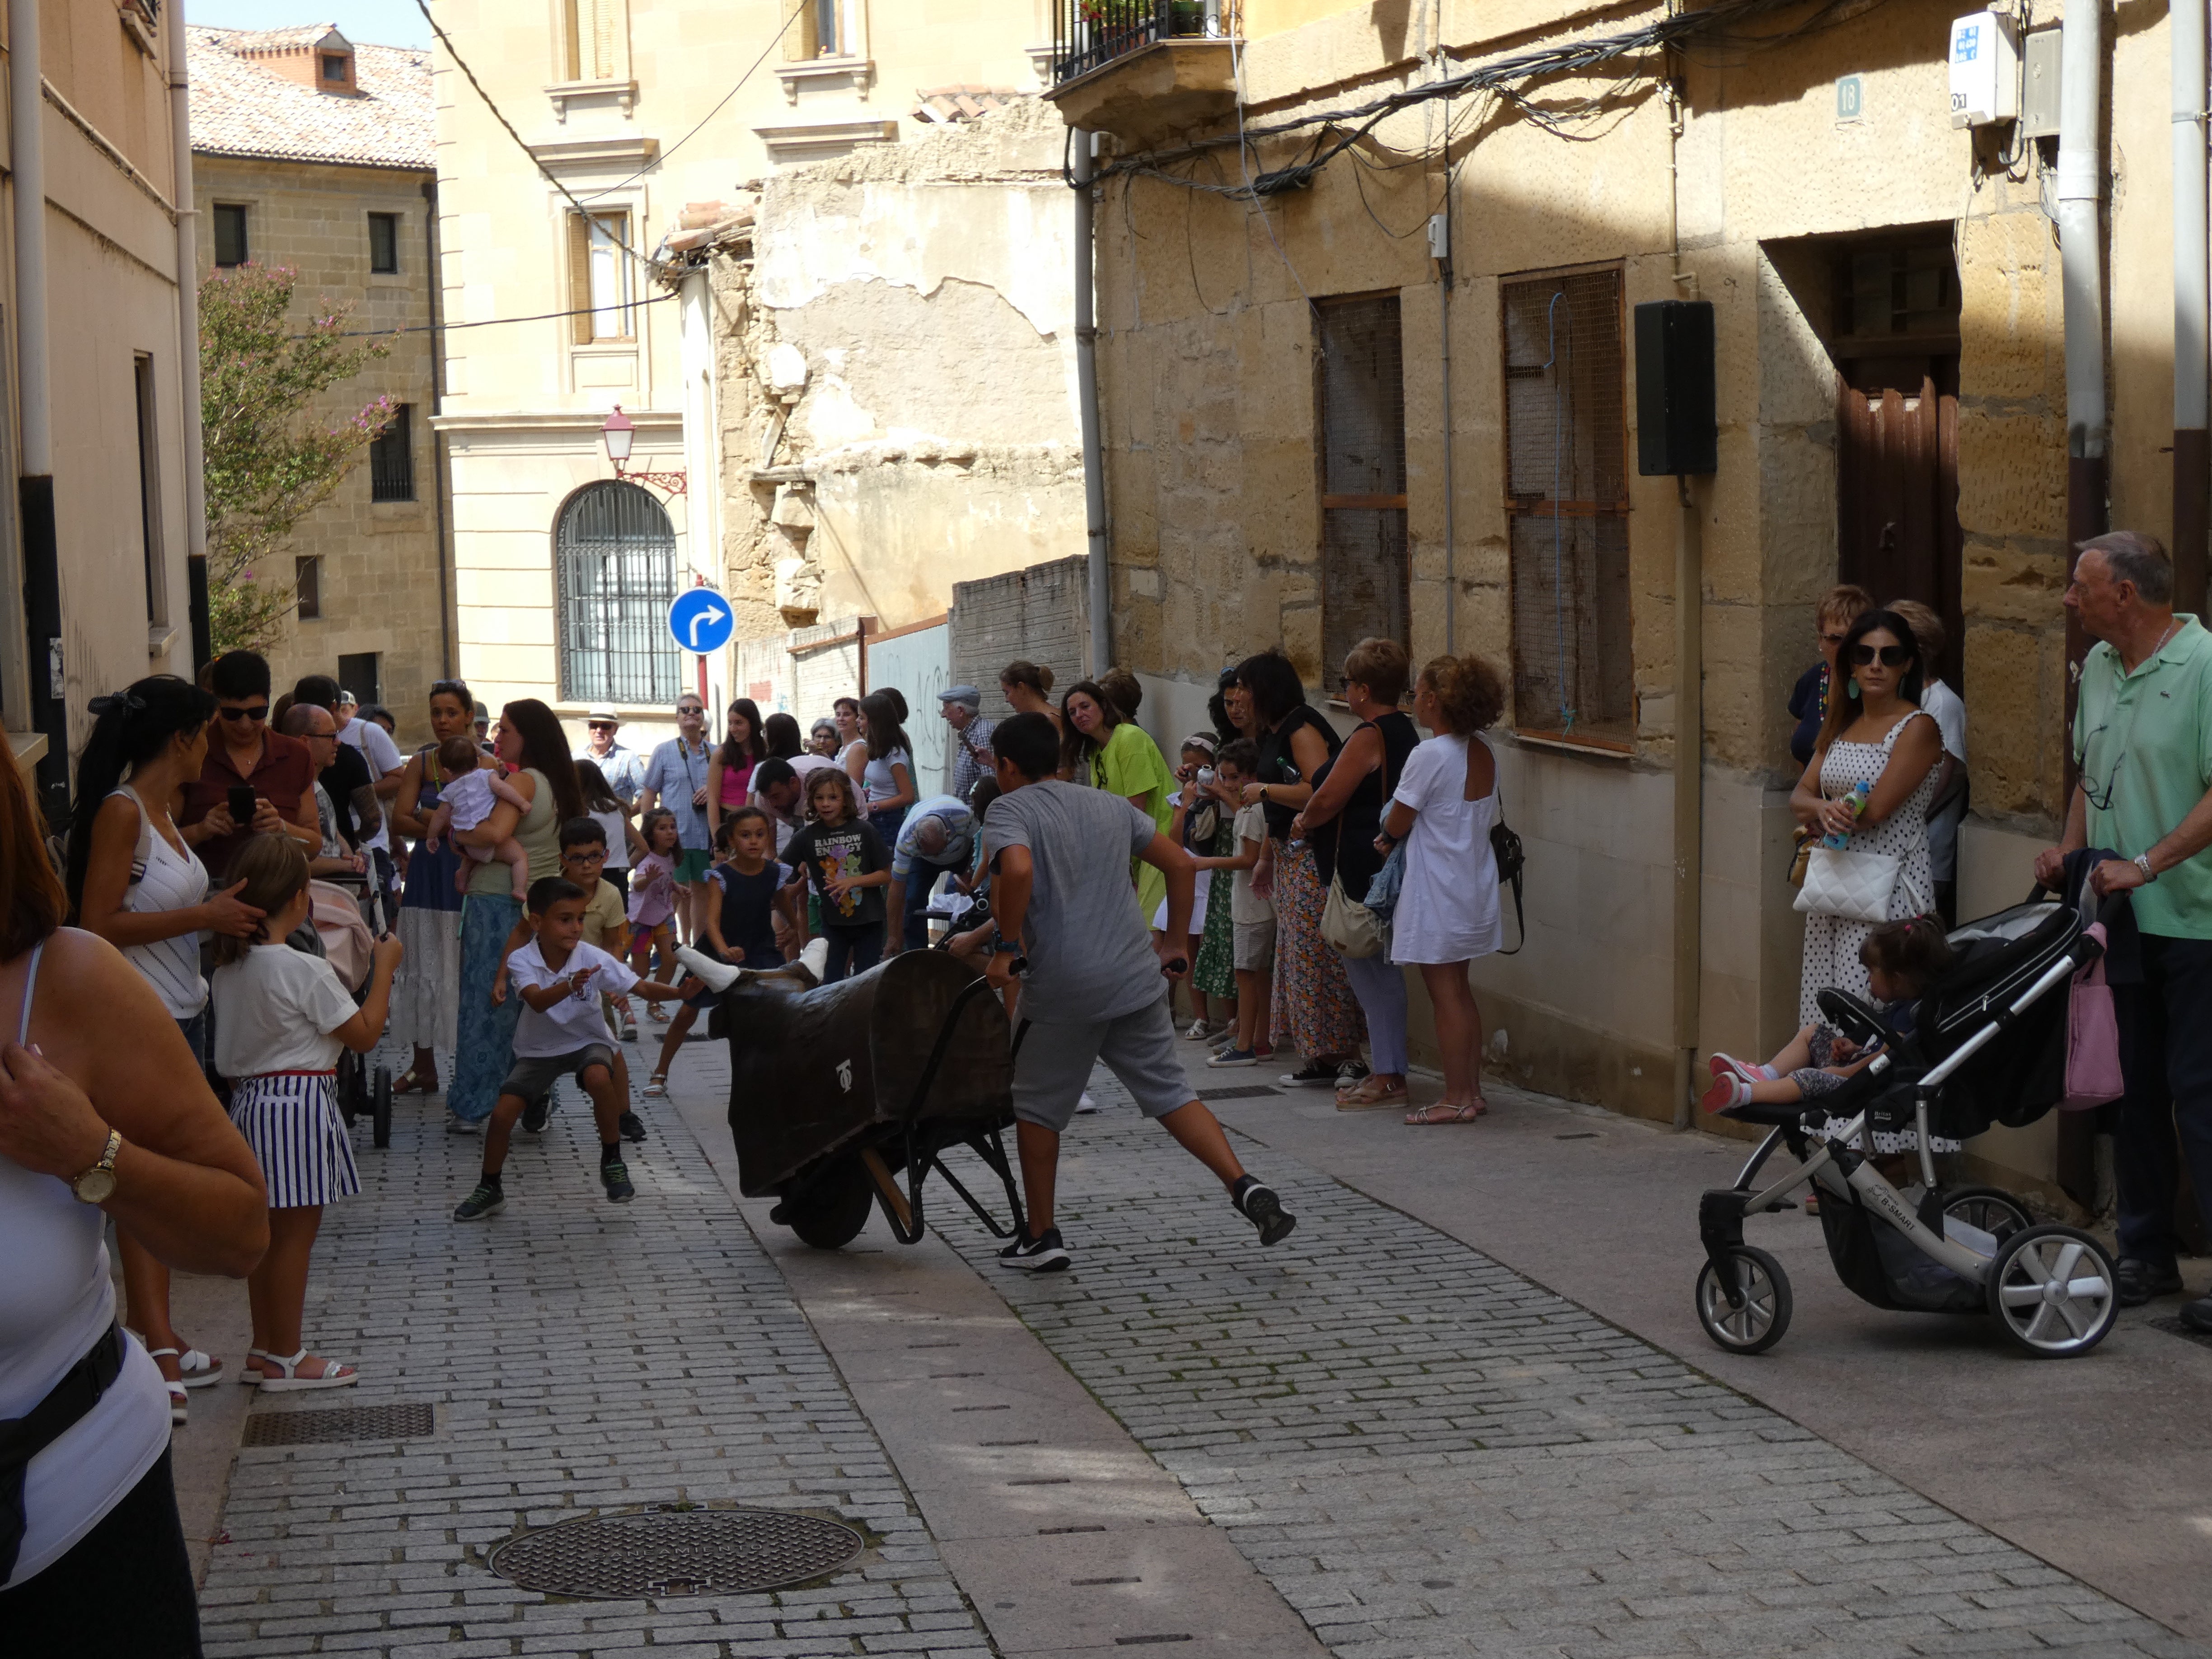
347,1087
1990,1209
1756,1325
2053,1291
380,1107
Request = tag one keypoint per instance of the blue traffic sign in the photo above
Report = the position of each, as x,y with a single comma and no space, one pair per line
702,620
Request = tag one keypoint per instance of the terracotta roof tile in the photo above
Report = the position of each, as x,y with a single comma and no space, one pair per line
240,107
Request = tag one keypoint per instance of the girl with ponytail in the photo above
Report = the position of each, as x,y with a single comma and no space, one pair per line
134,879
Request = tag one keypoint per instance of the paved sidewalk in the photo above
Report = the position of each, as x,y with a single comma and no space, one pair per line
1429,1455
579,1355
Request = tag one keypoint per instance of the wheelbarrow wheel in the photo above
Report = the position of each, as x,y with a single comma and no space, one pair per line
829,1212
380,1107
2053,1289
1756,1325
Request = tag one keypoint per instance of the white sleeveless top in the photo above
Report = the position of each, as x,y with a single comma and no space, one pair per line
55,1300
162,878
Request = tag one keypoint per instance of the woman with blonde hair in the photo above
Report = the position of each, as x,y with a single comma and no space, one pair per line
1448,913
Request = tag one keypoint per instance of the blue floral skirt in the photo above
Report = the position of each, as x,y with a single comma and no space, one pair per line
485,1047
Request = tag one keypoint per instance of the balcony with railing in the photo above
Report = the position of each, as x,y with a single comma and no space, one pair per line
1143,69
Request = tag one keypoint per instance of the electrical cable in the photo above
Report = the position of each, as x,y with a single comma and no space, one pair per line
488,322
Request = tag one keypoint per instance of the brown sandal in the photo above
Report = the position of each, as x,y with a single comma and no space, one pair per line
1371,1093
1444,1112
410,1082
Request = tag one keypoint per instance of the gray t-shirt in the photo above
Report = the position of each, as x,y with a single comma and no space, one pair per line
1089,952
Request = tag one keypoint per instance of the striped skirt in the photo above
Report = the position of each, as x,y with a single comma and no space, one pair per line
290,1120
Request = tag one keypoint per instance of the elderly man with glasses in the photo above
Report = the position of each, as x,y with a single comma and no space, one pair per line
677,774
622,767
2143,740
243,753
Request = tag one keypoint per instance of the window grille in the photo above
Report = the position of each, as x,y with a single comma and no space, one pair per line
1567,505
614,552
230,234
391,458
1359,374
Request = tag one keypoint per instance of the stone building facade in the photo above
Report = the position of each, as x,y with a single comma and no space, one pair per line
1885,294
331,176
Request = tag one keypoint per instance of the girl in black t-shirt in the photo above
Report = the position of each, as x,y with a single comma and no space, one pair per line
841,853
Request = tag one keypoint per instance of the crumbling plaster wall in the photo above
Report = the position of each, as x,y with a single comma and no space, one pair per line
928,287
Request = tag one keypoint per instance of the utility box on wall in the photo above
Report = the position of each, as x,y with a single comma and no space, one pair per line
1984,70
1677,414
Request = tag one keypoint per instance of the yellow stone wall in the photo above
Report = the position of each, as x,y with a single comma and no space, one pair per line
381,582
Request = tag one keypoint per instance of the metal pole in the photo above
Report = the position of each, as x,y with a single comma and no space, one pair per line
1689,794
1086,392
188,329
2193,450
2081,240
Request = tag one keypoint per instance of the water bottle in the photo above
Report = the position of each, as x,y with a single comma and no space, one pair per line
1856,800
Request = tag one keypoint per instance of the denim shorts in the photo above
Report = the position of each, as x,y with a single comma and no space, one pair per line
531,1077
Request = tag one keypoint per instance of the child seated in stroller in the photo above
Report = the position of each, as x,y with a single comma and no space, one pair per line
1903,960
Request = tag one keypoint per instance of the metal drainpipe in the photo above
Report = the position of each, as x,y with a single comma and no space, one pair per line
1689,826
188,334
447,627
42,579
2080,241
1086,392
1444,285
2192,448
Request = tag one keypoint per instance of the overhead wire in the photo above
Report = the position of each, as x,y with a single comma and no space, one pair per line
486,322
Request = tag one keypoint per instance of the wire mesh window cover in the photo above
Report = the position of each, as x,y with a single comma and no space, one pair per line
616,558
1359,374
391,458
1567,502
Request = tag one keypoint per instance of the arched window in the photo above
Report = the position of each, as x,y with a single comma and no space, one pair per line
615,564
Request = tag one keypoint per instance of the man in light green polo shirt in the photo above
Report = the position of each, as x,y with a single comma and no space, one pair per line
2143,740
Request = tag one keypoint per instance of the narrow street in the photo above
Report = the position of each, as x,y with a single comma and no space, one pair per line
1393,1435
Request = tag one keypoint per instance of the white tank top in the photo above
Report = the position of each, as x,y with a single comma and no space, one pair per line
162,878
55,1300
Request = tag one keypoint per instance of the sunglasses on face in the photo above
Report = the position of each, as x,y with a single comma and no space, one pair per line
689,709
600,725
259,712
1889,656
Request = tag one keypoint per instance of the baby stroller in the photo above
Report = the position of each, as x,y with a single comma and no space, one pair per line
1990,1047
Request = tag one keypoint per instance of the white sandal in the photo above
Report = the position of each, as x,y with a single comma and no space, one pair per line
285,1377
199,1369
247,1377
656,1086
178,1403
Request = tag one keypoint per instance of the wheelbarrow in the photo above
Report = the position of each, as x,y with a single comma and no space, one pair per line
850,1095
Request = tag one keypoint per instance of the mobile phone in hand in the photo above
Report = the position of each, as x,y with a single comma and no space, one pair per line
242,805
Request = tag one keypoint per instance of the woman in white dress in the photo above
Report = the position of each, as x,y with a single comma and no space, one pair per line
1876,733
1448,914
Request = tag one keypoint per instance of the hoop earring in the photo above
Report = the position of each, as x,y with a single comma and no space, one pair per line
1852,690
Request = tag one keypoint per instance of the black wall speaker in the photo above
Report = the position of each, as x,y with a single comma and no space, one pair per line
1677,423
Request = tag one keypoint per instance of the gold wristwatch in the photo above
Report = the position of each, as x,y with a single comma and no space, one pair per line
97,1184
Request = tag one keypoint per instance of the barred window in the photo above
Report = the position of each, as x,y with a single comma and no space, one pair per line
615,556
1359,380
1567,505
391,458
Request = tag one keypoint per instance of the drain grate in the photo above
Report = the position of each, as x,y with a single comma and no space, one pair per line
663,1552
409,1421
1249,1091
2176,1327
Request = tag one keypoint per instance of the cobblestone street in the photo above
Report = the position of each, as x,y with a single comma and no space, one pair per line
1417,1451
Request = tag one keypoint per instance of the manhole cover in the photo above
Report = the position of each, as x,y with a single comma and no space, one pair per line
411,1420
662,1553
1251,1092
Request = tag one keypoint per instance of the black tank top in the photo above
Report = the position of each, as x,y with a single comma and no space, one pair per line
1348,844
1278,765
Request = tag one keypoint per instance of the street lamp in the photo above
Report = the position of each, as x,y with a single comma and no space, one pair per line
618,434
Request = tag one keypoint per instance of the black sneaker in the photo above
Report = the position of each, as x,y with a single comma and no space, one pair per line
2139,1282
1351,1074
615,1179
534,1115
1256,1202
1311,1075
633,1126
1035,1255
485,1200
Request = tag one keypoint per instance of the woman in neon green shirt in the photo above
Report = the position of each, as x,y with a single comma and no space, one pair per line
1103,748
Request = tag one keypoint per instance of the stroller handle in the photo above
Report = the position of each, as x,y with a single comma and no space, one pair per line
2108,913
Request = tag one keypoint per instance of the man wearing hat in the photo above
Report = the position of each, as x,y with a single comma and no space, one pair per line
971,737
620,766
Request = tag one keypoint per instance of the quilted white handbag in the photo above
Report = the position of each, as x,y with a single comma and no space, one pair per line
1856,886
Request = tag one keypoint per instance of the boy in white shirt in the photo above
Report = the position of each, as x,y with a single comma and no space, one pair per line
561,1033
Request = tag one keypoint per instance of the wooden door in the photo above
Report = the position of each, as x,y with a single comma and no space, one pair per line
1896,483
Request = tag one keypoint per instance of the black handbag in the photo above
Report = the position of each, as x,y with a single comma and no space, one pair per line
1505,848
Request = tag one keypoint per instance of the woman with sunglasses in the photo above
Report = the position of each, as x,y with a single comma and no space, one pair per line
1875,734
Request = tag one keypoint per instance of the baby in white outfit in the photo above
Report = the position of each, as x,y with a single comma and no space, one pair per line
465,799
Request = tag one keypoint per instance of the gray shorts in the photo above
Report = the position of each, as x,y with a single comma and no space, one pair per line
1253,950
1054,1061
532,1076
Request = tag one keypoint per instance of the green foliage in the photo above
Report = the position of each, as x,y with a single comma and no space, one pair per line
269,462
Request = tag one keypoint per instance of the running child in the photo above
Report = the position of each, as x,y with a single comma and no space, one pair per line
471,791
652,894
1061,897
751,888
841,853
1251,913
561,1033
282,1017
1902,960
